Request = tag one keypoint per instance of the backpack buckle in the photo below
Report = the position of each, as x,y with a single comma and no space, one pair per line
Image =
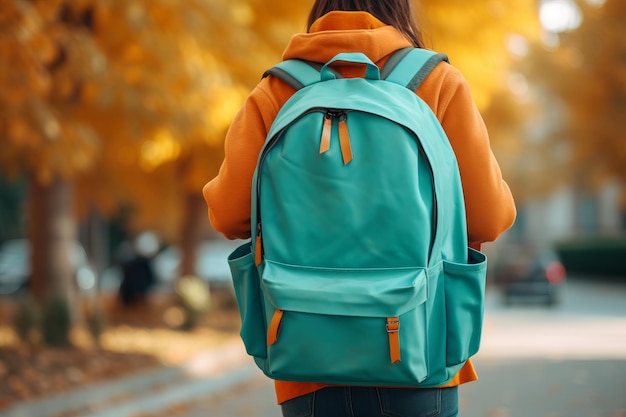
393,326
393,330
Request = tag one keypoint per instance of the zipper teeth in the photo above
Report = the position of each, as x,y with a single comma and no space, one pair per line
339,112
327,111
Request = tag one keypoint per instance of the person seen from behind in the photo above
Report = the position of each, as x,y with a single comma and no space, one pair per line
376,28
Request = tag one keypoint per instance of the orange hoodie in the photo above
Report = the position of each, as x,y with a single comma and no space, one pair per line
489,204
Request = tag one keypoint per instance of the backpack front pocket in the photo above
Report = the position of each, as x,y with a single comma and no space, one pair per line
247,292
344,326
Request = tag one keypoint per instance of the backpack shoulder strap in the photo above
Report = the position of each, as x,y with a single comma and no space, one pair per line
297,73
407,67
410,66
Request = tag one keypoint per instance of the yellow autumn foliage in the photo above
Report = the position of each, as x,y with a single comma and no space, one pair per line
131,99
567,125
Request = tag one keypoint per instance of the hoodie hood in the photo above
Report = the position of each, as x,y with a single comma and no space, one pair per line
341,31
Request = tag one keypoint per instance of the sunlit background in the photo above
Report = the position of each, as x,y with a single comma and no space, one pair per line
112,118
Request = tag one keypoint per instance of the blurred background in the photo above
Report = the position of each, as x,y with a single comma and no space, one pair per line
112,118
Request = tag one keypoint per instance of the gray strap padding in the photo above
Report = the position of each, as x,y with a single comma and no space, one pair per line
298,73
425,70
410,66
284,76
393,60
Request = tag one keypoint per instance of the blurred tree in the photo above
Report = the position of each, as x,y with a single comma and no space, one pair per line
251,35
593,59
481,37
38,86
100,96
117,103
11,208
567,126
475,35
170,103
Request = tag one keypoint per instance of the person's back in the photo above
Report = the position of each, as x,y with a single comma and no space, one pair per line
488,201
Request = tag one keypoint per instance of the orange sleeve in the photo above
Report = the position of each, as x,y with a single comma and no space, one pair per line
488,200
228,196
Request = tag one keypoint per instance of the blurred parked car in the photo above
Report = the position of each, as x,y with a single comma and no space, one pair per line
211,262
529,274
211,265
15,266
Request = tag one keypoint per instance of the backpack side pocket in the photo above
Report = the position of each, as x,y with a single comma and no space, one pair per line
465,295
247,292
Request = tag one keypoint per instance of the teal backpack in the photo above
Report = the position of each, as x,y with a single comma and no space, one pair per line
358,271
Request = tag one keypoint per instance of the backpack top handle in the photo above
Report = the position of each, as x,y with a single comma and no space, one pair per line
371,73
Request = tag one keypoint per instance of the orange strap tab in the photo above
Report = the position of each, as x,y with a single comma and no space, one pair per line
393,330
274,329
326,131
258,251
344,141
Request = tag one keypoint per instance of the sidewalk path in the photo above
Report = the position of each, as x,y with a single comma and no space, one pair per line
568,361
150,391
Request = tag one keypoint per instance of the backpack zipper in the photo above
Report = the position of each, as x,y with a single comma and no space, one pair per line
344,136
326,132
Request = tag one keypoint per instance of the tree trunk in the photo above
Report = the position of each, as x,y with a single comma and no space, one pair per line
191,232
95,237
622,204
52,230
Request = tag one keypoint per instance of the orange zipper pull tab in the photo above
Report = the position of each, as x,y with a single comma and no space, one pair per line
258,247
326,130
344,141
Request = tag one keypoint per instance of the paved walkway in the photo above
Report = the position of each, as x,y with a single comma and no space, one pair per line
569,361
204,376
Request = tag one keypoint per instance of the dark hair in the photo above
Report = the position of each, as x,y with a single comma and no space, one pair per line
397,13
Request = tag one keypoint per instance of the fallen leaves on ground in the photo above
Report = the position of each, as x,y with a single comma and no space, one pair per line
135,339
